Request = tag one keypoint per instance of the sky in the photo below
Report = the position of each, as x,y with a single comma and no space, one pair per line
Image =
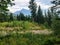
23,4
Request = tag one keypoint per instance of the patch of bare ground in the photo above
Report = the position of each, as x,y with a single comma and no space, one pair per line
14,30
40,31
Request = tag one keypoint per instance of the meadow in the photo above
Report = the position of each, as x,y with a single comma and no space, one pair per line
13,33
21,25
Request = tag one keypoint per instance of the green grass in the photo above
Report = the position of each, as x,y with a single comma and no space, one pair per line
7,37
21,25
28,39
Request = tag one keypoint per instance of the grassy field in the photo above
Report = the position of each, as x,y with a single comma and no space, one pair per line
21,25
28,39
17,33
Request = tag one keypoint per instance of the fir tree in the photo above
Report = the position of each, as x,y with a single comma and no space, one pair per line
40,17
33,8
49,17
56,19
3,8
11,17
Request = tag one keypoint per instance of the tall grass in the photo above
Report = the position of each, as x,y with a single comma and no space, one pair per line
21,25
27,39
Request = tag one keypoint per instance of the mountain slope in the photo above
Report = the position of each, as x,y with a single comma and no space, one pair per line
24,11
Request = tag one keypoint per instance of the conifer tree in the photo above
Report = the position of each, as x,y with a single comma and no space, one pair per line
3,8
33,8
40,17
11,17
49,18
56,21
20,17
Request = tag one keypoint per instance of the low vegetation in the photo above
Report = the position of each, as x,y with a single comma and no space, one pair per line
21,25
29,39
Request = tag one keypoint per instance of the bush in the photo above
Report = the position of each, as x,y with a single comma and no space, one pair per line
26,25
56,27
49,42
46,25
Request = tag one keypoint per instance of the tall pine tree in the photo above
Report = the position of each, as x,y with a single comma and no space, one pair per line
33,8
56,21
40,17
21,17
49,18
11,17
3,8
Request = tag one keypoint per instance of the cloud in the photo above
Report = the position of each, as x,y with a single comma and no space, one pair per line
43,6
19,4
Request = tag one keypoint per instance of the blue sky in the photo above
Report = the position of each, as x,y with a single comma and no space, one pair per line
20,4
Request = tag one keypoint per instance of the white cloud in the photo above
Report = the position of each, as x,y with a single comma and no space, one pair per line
19,4
43,6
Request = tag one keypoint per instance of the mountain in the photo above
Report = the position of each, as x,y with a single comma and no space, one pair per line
24,11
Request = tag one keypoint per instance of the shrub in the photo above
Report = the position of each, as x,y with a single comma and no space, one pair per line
25,25
46,25
56,27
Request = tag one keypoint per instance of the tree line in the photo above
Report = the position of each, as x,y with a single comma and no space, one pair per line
36,14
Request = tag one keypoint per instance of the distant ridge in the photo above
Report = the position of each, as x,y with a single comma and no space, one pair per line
24,11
